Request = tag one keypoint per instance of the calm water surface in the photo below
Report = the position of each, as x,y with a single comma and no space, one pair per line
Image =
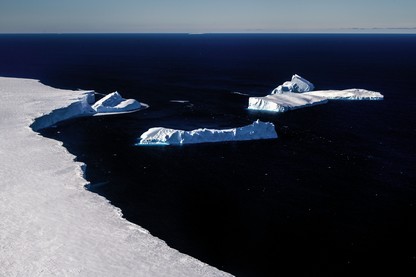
333,195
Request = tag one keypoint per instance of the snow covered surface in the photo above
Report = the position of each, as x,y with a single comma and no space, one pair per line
297,84
113,103
299,94
348,94
50,225
84,105
282,102
165,136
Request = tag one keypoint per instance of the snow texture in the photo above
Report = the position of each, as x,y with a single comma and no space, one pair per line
164,136
282,102
113,102
50,224
348,94
289,96
297,84
110,104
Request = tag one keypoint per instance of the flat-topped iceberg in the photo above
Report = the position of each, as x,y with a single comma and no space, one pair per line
299,93
165,136
347,94
281,102
114,103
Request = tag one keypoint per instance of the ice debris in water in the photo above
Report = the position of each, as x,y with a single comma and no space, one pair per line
165,136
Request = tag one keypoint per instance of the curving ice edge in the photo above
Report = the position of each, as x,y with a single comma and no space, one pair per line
298,93
165,136
50,225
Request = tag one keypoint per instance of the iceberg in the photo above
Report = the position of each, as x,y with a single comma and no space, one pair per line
299,93
165,136
50,224
83,106
347,94
297,84
114,103
282,102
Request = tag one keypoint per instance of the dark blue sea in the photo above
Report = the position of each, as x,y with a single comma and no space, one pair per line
334,195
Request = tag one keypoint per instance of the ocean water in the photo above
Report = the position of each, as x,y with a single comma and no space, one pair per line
334,195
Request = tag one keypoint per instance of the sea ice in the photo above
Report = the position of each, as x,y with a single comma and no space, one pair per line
298,94
50,224
165,136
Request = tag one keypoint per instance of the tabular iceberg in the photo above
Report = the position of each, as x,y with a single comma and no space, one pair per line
299,93
166,136
347,94
281,102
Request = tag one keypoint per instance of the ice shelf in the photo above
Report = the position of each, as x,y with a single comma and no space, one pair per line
50,224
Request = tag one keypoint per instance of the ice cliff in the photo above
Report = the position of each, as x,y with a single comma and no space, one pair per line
165,136
50,225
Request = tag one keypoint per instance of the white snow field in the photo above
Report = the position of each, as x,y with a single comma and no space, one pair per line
165,136
50,225
299,93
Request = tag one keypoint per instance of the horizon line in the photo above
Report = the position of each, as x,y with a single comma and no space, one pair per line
340,30
227,33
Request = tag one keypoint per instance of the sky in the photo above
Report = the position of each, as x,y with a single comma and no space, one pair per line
205,16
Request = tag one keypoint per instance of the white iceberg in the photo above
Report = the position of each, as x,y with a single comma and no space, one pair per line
111,104
165,136
297,84
50,225
114,103
299,94
347,94
282,102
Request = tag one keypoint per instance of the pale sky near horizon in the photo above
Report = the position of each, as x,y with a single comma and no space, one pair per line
200,16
